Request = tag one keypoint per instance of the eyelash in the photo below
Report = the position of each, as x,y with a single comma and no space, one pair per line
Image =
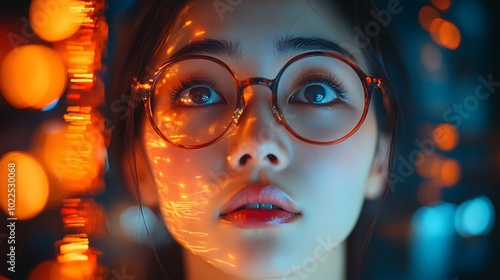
329,80
175,91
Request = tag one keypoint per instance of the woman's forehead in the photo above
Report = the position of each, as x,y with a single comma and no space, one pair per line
255,26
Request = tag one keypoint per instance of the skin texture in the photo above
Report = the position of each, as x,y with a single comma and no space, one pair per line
328,184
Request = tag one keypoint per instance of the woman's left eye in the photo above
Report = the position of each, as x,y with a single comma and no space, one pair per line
198,96
315,93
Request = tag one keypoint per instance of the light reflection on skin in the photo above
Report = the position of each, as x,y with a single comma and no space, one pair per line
326,182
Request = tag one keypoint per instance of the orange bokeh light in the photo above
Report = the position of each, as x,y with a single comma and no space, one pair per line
442,172
32,76
449,35
46,270
426,15
445,136
47,145
56,20
445,33
449,174
441,4
76,157
72,270
31,186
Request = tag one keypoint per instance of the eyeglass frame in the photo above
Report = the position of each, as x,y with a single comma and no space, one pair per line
143,91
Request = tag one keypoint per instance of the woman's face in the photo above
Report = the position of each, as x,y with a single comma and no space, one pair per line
321,187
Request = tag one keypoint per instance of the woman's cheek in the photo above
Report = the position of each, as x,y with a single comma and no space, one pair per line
187,181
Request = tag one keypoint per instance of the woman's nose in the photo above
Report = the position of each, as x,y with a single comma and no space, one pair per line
258,154
260,141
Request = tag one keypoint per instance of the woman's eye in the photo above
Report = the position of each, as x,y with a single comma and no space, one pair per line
199,96
315,93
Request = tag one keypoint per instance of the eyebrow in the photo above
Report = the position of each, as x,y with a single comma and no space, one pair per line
283,46
286,45
211,47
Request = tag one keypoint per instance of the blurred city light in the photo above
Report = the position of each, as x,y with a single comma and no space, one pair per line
445,136
133,222
436,220
442,4
426,15
32,76
431,57
432,241
31,188
56,20
475,217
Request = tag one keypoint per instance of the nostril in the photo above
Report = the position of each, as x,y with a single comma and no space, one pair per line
244,159
272,158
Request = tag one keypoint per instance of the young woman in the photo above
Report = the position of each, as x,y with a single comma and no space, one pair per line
262,130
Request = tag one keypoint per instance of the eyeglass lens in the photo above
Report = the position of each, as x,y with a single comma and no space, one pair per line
320,98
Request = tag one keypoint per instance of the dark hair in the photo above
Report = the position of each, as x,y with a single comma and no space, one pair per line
138,45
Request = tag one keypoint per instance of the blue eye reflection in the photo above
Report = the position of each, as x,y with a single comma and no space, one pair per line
318,90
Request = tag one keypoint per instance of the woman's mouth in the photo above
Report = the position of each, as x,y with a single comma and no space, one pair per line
259,206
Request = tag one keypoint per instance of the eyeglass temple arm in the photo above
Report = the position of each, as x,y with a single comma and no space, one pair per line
389,103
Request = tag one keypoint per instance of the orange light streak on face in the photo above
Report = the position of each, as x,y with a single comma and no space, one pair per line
426,15
199,33
445,136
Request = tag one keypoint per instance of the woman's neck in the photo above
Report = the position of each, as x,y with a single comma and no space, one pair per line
331,267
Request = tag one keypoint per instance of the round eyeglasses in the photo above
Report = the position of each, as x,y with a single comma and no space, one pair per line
193,101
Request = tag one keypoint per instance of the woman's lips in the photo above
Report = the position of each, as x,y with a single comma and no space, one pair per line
259,206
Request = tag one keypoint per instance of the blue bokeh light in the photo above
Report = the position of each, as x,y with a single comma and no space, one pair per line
475,217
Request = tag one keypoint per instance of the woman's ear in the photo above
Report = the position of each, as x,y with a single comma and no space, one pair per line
377,179
140,179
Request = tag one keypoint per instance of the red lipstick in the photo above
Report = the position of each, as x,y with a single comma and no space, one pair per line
259,206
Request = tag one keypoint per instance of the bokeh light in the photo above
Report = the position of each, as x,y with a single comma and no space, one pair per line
47,270
436,220
449,35
48,135
442,4
428,193
32,76
445,33
53,270
426,15
133,221
55,20
449,173
445,136
431,57
475,217
73,157
31,185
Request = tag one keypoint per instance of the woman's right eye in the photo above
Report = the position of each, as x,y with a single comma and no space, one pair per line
199,96
195,93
